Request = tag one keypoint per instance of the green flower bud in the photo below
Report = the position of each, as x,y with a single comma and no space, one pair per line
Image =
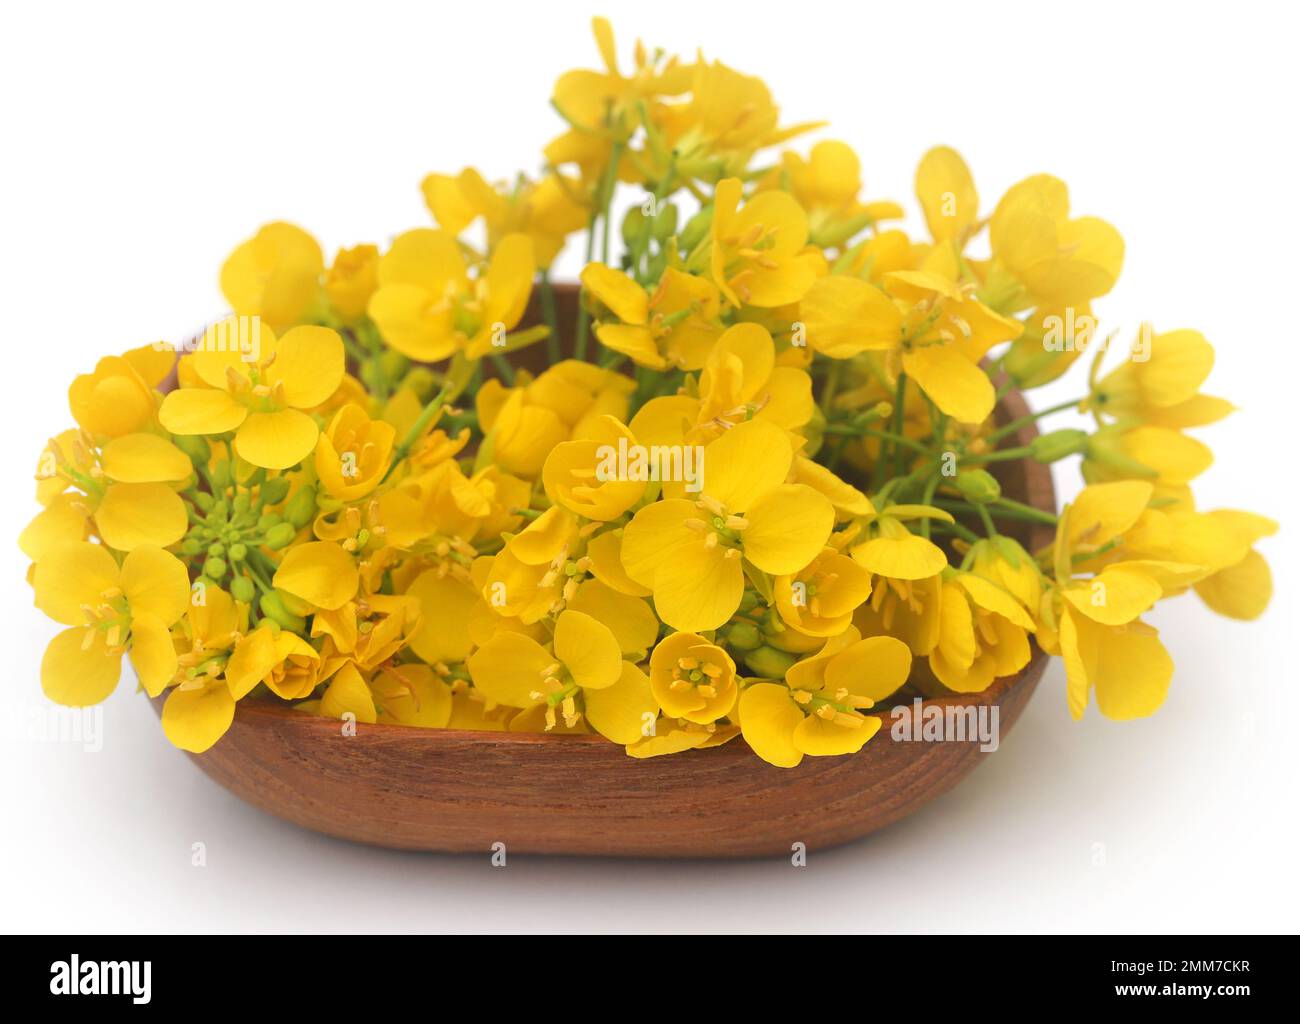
214,568
204,500
665,225
422,381
275,490
301,509
633,226
220,473
748,601
743,636
191,546
269,520
272,607
1058,444
393,364
769,663
220,511
216,549
280,536
241,503
696,229
242,589
195,446
238,552
977,485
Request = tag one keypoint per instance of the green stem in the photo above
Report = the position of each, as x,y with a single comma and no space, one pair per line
418,427
1004,455
1033,417
987,519
550,318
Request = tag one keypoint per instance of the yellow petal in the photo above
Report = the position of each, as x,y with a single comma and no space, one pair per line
155,583
630,619
508,669
348,693
768,720
874,668
200,411
319,572
845,316
747,461
700,593
587,649
276,440
308,364
658,535
620,712
946,192
63,521
903,557
135,514
153,654
831,737
626,299
788,526
445,607
413,695
70,576
195,717
145,459
1241,591
1114,596
251,661
955,384
1132,671
78,672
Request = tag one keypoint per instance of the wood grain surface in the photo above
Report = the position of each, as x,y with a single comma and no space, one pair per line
448,790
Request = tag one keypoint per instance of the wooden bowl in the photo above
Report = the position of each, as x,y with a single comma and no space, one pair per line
456,791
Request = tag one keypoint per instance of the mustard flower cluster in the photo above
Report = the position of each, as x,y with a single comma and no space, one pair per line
747,494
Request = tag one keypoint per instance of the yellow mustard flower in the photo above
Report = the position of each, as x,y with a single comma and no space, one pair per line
584,475
820,599
689,552
1094,623
983,634
274,275
692,678
353,453
546,211
517,671
126,490
429,308
757,255
109,609
119,397
1160,383
827,184
676,326
818,710
351,280
200,708
260,391
1042,256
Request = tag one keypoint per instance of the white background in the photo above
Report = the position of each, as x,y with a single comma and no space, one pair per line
141,142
